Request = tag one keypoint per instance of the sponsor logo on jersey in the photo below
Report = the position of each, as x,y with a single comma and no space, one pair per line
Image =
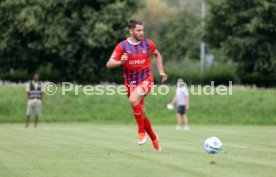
137,62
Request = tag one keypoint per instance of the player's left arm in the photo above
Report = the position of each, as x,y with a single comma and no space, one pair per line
42,93
187,98
159,62
187,101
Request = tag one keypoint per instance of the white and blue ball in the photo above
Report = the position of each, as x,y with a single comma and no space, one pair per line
212,145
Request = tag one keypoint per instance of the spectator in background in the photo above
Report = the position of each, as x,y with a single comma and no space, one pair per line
183,103
35,96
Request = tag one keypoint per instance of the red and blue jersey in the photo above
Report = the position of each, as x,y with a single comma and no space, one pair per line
138,66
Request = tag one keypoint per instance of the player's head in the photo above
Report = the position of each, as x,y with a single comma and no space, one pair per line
180,83
35,77
136,29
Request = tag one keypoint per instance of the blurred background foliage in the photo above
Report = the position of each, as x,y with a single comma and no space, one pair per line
71,40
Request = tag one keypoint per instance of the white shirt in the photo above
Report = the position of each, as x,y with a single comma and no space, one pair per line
181,93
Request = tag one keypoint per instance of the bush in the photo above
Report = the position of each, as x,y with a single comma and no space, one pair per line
220,76
46,72
15,75
114,76
258,80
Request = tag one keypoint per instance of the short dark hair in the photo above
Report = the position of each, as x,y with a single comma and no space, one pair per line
132,23
35,74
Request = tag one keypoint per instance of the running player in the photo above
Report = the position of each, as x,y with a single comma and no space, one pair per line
134,55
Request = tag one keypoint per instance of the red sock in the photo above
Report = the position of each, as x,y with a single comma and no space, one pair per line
149,129
138,114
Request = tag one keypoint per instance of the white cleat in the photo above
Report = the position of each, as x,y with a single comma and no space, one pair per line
186,128
142,138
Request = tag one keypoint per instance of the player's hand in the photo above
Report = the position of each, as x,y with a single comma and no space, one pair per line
187,106
164,76
123,58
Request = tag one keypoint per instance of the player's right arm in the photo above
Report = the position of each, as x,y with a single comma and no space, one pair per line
117,58
173,101
114,63
27,90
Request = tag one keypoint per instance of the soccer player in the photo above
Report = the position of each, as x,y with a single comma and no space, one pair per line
133,54
34,95
183,103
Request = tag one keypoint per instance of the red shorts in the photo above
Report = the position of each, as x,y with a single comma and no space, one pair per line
145,85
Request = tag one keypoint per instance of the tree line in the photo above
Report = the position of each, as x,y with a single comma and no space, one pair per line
70,40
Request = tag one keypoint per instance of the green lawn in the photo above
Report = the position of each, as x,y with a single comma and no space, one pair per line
90,150
254,106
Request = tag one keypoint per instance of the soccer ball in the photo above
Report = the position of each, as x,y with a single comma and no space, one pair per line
170,106
212,145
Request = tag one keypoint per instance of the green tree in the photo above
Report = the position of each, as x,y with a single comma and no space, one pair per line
68,39
180,37
246,32
155,17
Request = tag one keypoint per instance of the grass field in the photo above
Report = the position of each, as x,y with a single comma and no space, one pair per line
246,106
89,150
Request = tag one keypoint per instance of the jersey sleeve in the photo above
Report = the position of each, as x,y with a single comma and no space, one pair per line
152,46
117,53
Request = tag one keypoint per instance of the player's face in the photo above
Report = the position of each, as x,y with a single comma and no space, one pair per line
36,77
180,84
138,32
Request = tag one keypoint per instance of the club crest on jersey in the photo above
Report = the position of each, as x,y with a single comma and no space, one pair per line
144,51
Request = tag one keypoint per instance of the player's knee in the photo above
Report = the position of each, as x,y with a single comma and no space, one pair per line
132,101
144,114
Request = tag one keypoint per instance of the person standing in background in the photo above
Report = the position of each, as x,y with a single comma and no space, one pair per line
183,103
34,92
